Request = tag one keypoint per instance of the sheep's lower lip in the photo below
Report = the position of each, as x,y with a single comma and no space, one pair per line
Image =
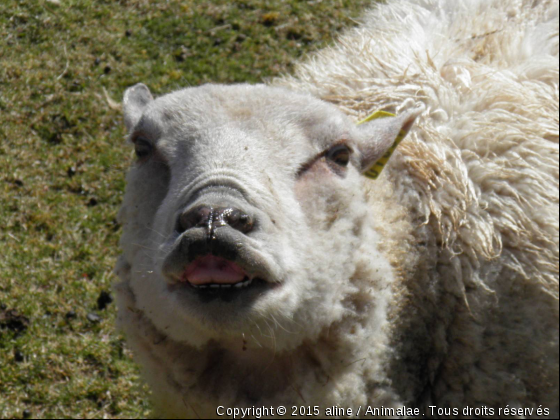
215,288
243,284
241,293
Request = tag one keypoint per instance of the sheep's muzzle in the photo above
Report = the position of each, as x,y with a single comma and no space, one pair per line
225,265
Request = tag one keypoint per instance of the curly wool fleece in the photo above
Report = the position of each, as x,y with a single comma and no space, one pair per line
451,297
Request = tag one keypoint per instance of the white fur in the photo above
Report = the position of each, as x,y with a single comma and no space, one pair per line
436,284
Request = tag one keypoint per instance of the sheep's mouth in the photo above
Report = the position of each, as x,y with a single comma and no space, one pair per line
211,277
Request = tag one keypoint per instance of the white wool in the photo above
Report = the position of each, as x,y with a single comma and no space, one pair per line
436,284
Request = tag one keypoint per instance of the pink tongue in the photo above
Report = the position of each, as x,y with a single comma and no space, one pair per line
210,269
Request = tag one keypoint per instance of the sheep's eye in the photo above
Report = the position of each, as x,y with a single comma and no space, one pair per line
143,148
340,155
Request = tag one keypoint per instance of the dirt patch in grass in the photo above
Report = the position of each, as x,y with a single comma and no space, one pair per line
12,320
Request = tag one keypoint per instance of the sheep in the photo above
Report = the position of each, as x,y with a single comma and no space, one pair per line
261,268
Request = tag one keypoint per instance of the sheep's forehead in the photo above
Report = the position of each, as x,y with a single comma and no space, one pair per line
273,120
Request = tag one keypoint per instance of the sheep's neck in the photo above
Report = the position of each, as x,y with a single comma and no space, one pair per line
253,373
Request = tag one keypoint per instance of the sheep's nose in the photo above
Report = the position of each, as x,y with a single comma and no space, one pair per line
212,218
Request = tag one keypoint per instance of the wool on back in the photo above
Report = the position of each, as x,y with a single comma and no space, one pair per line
484,157
478,177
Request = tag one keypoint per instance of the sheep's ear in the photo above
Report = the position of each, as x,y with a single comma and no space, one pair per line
136,98
379,137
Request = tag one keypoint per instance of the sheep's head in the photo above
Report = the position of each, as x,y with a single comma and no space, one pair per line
244,210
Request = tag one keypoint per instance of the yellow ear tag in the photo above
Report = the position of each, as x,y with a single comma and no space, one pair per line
376,169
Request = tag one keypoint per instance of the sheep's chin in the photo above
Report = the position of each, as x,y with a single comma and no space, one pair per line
187,316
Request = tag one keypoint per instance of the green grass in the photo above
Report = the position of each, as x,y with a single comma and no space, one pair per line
63,159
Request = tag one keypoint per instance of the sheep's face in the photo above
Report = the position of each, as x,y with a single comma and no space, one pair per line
244,211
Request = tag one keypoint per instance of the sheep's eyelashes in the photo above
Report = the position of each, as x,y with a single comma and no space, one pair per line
339,154
143,148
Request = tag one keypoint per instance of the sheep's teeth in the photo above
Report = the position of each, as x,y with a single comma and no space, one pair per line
239,285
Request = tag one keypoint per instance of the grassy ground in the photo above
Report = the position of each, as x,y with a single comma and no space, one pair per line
63,160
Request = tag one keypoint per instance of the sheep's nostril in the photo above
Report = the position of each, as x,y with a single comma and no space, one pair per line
198,217
238,220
